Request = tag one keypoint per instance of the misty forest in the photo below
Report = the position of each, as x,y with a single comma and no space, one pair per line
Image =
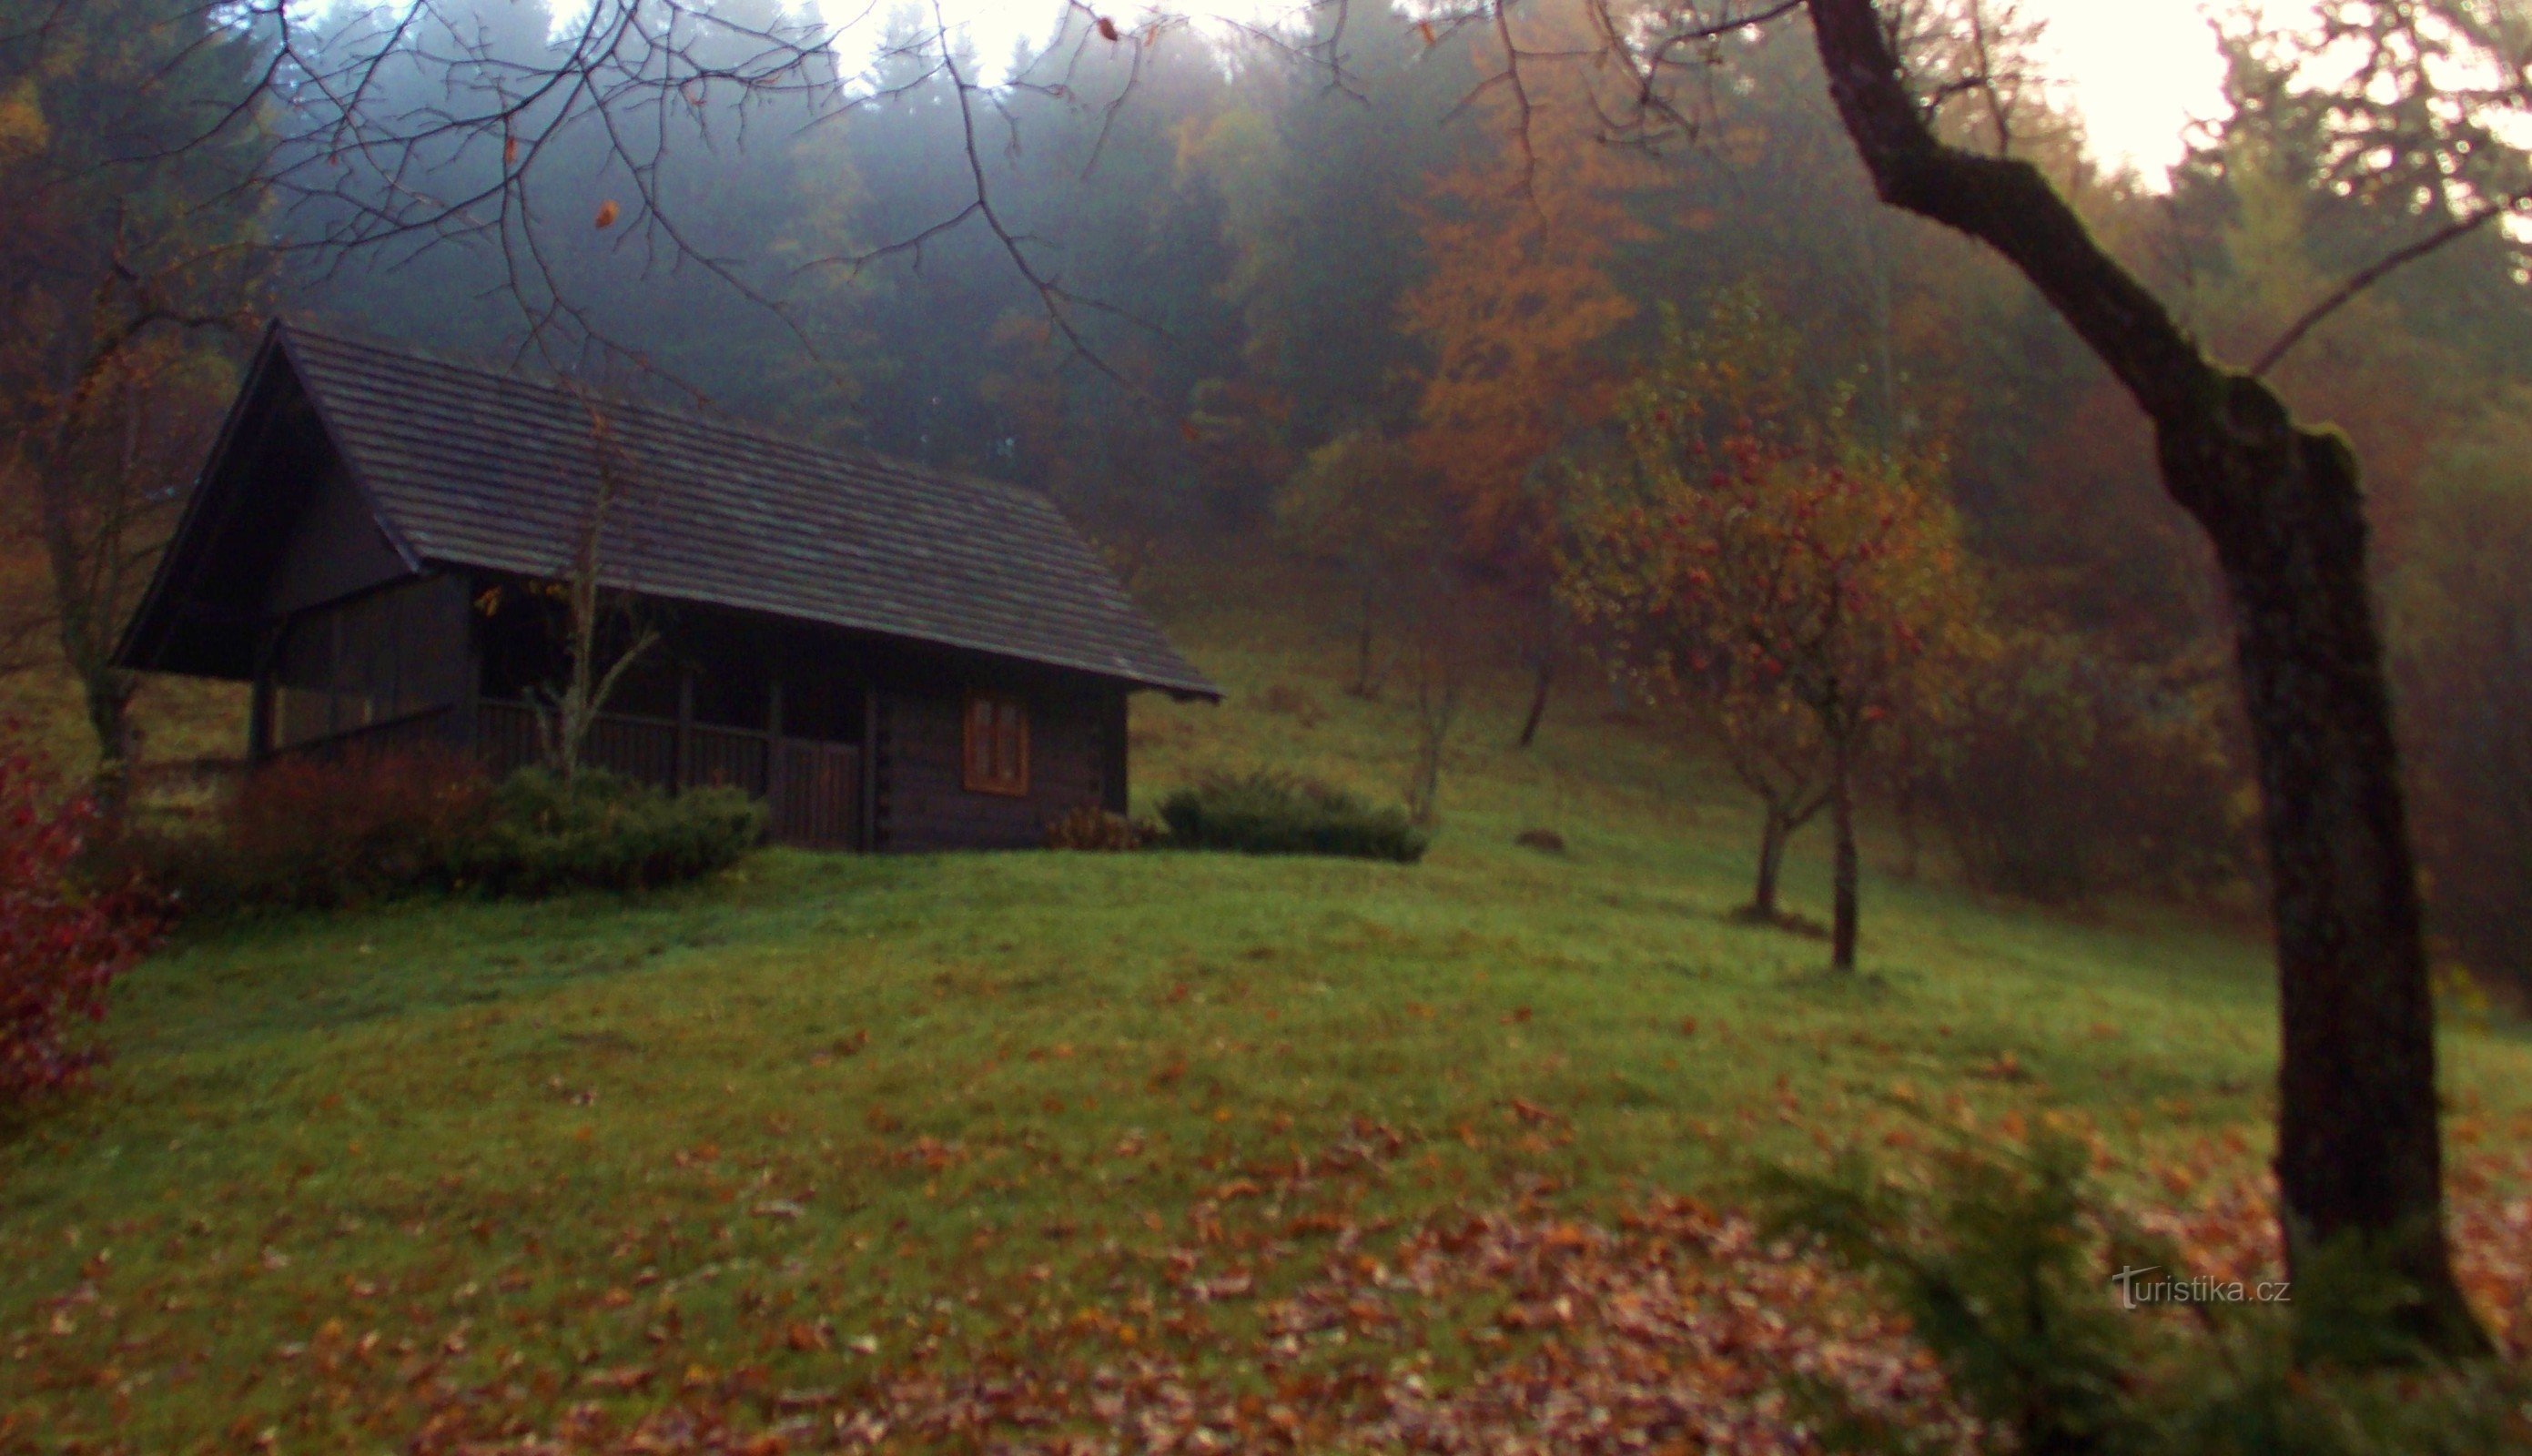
1871,787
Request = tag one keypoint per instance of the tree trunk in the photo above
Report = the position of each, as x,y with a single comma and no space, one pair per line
1845,913
1363,641
109,715
1771,860
2359,1161
1539,685
2359,1158
85,630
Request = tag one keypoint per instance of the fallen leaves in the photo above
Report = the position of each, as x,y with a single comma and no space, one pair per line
2224,1220
619,1378
2005,1066
1261,1303
1533,1115
1303,1324
842,1047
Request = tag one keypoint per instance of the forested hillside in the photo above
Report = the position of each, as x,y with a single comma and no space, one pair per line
1340,290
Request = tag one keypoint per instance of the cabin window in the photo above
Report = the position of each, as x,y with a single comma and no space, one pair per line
998,747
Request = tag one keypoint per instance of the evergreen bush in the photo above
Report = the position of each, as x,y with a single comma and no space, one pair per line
600,830
1266,812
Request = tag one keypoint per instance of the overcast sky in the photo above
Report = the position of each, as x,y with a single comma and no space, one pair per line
2139,69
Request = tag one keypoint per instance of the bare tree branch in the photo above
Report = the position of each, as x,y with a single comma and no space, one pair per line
2375,272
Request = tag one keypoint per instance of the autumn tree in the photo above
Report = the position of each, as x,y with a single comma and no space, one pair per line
1438,651
1791,587
1365,503
129,261
1515,311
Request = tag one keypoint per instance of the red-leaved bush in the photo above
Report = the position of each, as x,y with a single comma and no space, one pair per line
309,830
62,940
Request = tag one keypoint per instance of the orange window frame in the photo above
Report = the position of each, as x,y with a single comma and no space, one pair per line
997,744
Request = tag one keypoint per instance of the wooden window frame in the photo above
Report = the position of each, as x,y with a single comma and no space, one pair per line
999,764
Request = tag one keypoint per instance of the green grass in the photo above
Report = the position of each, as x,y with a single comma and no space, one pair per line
964,1099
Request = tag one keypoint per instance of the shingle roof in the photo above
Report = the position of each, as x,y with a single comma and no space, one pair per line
474,468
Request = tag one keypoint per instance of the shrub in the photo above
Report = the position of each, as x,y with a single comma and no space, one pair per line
310,834
332,831
308,831
1088,827
2060,774
1999,1272
1265,812
63,939
604,831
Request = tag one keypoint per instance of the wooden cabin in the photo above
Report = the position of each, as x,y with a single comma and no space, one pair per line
894,657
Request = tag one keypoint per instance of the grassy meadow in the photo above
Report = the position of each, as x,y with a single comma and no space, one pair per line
461,1171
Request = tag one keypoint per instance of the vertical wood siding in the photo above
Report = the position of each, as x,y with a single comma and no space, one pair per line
925,804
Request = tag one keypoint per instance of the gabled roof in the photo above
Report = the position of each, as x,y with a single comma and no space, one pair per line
467,467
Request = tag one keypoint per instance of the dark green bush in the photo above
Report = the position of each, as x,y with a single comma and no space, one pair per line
602,831
1264,813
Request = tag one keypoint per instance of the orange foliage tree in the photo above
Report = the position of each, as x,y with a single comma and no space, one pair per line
1793,589
1514,312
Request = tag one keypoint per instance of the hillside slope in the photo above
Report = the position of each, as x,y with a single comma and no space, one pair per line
462,1167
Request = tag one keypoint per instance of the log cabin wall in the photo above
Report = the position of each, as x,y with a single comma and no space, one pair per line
336,548
1075,735
787,712
388,664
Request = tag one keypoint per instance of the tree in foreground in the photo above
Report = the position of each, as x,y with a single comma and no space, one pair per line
1789,588
2359,1153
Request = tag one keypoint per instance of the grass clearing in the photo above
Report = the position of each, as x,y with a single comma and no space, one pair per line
824,1117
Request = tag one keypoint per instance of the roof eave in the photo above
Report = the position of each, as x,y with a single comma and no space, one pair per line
1180,689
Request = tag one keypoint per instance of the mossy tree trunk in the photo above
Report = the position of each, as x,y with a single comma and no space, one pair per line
2359,1155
